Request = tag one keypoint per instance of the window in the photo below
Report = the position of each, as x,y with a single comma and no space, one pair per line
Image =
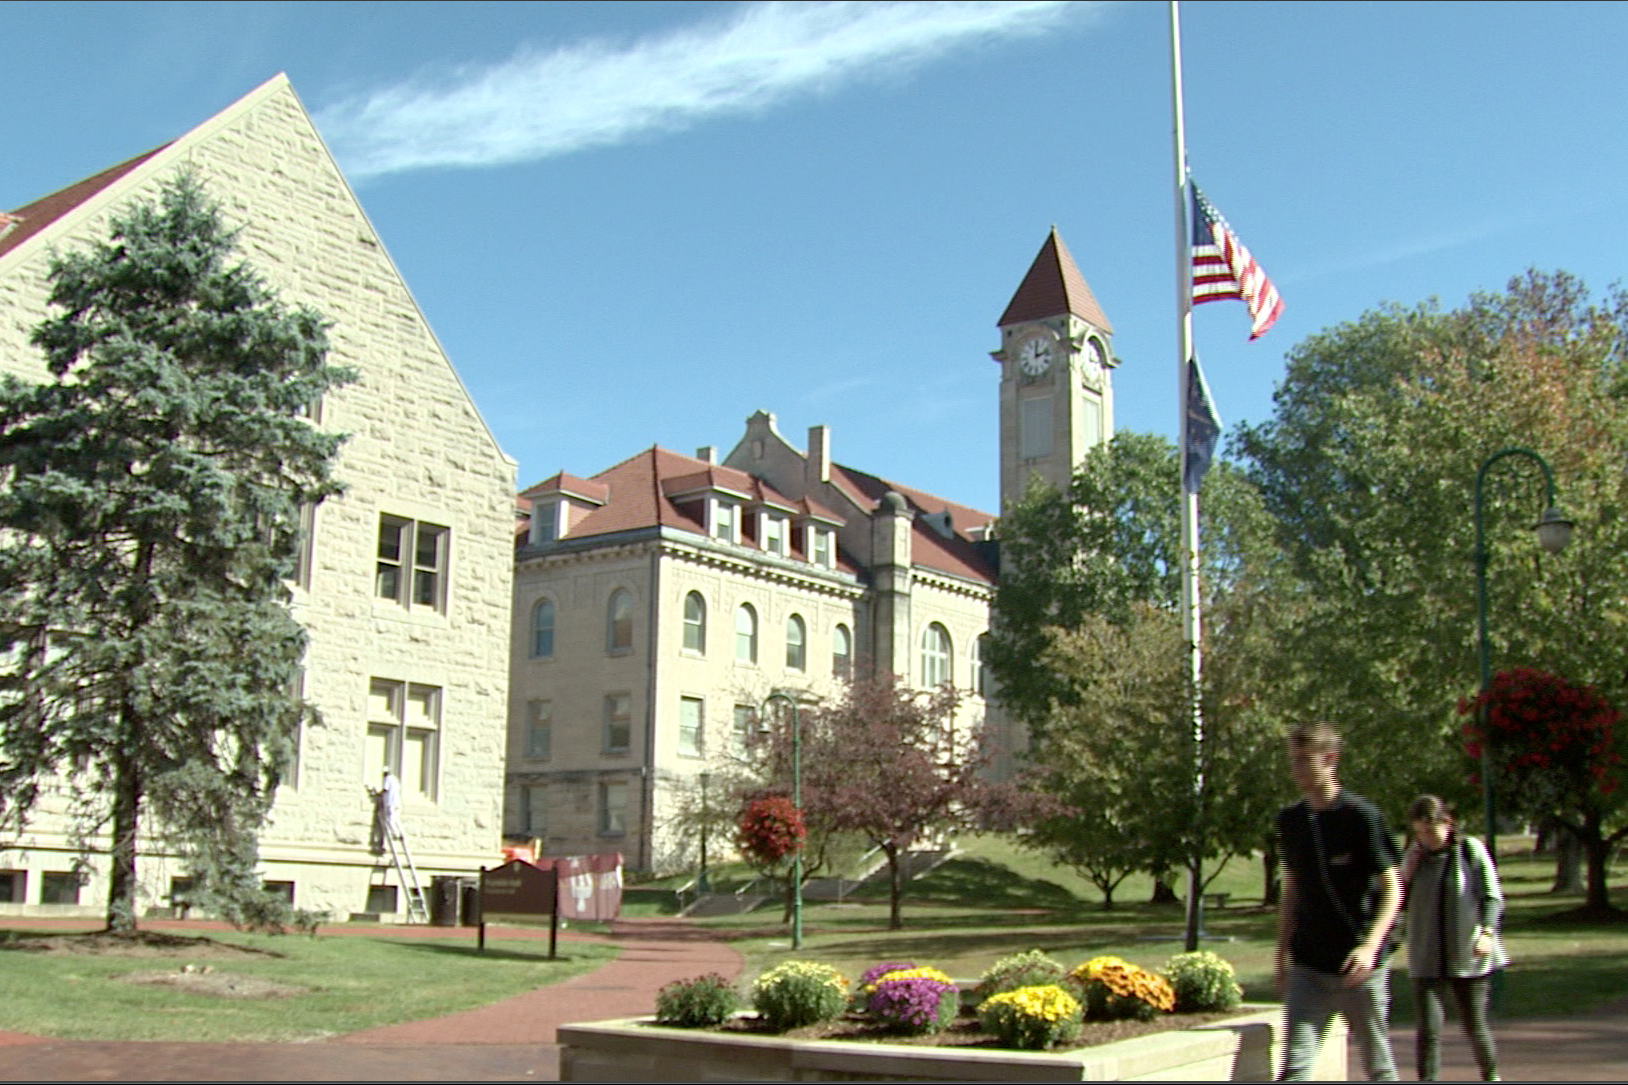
412,565
612,809
741,733
980,671
283,890
820,551
723,520
796,644
307,540
1034,428
619,621
935,656
618,722
746,634
59,887
774,534
533,806
381,900
545,522
542,629
539,729
842,651
695,623
13,886
404,735
691,711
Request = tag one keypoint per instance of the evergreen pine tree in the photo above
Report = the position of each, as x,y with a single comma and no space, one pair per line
150,517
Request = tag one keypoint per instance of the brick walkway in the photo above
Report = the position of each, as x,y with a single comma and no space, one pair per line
512,1040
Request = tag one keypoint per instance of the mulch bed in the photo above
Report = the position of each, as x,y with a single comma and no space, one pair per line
966,1031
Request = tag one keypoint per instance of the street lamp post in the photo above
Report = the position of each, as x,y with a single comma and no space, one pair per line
797,801
1554,532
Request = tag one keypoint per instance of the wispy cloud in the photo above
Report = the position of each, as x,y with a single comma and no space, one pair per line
594,93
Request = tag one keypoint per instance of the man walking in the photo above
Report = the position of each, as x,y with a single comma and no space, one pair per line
1341,895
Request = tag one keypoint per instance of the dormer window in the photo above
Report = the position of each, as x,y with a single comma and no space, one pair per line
774,534
723,520
545,522
819,546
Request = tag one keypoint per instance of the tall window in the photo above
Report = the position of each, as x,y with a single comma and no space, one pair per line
412,563
723,520
539,729
1034,427
842,652
820,551
980,669
307,543
746,634
533,807
935,656
774,534
695,623
542,629
796,644
618,722
403,735
619,621
613,809
691,713
545,522
741,732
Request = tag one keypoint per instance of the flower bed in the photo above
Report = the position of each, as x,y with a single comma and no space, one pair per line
1246,1047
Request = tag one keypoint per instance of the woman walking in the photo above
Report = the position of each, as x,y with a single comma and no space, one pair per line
1454,906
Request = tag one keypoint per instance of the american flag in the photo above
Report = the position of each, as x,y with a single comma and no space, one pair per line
1223,268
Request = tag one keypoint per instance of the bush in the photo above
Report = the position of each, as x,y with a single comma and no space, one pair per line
799,993
1031,1017
1203,982
1116,989
916,1002
867,982
701,1002
1029,969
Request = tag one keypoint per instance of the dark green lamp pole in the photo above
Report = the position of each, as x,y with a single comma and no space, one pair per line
797,801
1554,532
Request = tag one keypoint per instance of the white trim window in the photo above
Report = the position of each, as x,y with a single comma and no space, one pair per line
936,657
842,652
539,729
619,621
774,534
820,549
691,726
618,722
796,644
404,735
613,800
746,634
412,563
542,629
695,623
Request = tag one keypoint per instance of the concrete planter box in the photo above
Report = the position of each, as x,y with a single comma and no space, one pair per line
1243,1048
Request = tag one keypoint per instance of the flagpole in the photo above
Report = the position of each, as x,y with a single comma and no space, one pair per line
1190,602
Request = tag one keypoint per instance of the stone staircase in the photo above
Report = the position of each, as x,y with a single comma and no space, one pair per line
916,863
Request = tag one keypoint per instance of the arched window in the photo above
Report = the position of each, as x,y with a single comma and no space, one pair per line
796,644
980,669
695,623
746,634
842,651
542,629
935,656
619,621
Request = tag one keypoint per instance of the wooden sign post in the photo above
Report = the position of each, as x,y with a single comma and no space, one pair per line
518,890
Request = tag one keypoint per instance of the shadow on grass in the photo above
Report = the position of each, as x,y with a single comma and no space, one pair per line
492,953
981,883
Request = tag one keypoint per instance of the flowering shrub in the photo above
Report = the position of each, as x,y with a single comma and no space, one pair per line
701,1002
770,829
799,993
916,1001
1031,1017
1116,989
1203,982
1031,968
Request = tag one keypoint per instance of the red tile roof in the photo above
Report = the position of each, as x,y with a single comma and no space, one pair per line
47,209
1052,287
957,555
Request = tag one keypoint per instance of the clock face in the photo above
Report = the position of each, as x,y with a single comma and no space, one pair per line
1034,356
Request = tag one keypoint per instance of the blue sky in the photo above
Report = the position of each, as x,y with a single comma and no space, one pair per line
635,224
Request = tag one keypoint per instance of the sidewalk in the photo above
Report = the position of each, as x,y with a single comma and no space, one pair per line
512,1040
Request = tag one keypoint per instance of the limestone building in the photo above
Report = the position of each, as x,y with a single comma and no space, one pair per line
406,580
658,601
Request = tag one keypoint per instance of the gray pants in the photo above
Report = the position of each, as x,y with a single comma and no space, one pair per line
1472,1011
1310,1001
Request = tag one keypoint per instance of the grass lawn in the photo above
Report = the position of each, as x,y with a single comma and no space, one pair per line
994,899
355,981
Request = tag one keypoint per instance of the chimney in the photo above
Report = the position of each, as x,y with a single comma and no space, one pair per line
707,454
819,457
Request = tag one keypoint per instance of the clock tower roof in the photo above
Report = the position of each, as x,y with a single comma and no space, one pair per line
1052,287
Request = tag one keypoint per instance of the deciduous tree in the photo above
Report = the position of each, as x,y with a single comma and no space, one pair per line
150,510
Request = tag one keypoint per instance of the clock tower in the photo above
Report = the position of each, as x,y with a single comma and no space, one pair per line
1057,399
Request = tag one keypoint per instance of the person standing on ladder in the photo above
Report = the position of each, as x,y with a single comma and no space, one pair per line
390,805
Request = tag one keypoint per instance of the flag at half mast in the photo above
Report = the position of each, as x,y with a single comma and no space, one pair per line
1223,268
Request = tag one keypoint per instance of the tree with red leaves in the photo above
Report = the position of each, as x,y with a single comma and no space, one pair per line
892,764
1555,754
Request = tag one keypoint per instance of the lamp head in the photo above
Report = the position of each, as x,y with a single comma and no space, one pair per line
1554,530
